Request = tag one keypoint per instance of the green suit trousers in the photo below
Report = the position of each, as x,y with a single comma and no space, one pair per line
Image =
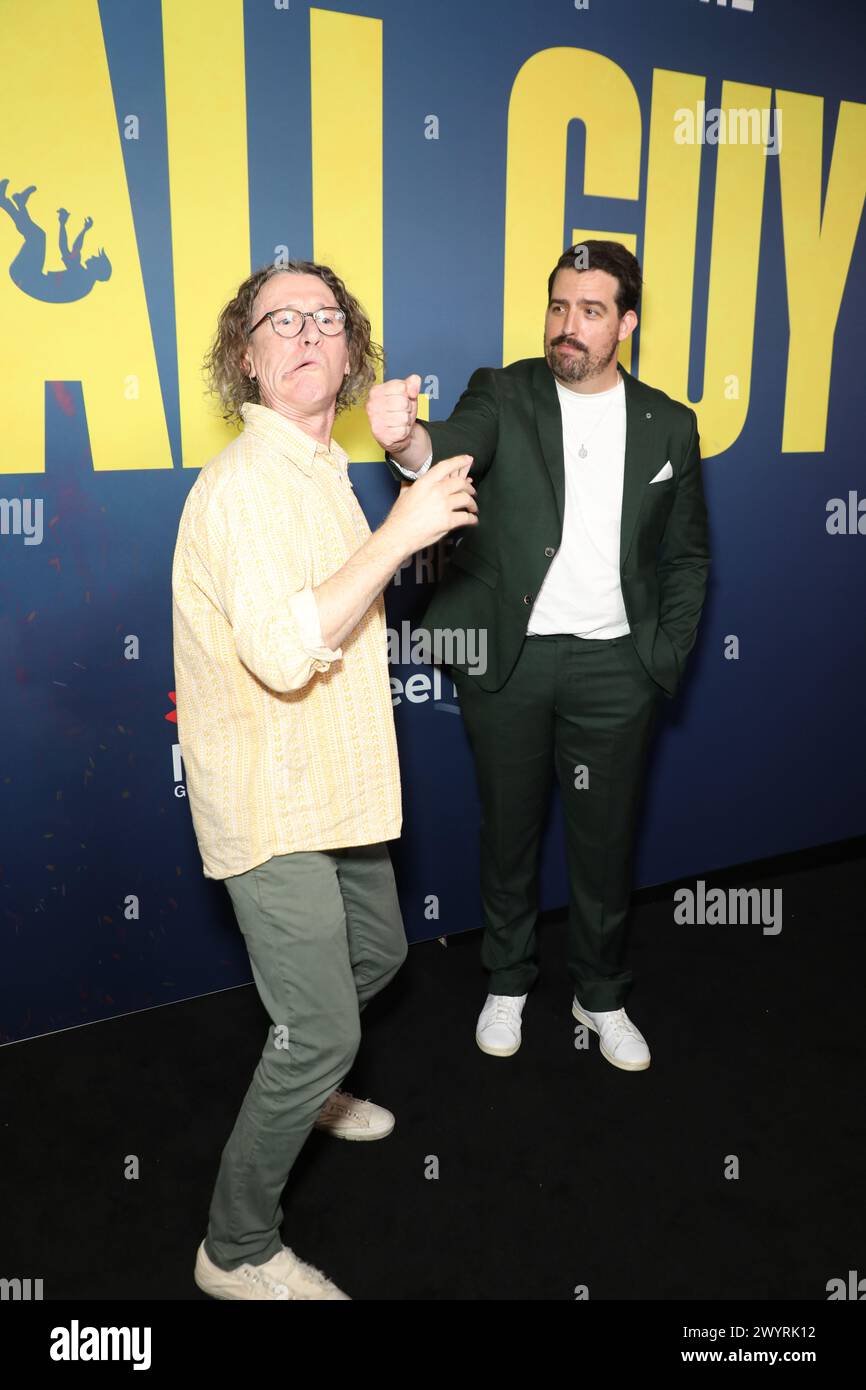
584,709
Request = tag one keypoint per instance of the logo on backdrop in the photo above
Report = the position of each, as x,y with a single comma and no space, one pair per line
176,757
28,271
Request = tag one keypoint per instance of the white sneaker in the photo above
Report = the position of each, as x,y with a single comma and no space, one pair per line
347,1118
620,1043
498,1031
282,1278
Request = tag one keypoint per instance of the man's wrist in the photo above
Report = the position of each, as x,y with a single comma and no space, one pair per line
408,471
398,450
417,444
388,545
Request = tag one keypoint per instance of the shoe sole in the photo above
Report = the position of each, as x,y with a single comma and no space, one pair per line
212,1293
359,1138
497,1051
623,1066
201,1273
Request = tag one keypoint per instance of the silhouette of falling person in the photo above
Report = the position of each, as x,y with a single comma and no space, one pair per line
27,269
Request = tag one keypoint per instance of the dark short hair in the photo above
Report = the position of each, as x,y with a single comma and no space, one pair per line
611,256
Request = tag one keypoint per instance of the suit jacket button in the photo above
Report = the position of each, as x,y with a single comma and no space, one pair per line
549,550
527,598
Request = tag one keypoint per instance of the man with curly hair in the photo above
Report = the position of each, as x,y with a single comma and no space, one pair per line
287,734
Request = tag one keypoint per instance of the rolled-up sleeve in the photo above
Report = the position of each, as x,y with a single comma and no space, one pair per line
305,611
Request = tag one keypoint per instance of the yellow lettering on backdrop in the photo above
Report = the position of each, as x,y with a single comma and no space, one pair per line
552,88
61,134
669,255
205,95
817,252
346,96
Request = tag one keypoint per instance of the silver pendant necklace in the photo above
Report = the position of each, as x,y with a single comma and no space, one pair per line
583,451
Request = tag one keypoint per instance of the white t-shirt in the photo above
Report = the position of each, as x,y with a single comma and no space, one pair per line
581,593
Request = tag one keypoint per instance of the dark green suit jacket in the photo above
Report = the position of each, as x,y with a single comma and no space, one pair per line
509,420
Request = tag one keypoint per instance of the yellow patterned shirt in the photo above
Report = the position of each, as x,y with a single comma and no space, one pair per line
287,745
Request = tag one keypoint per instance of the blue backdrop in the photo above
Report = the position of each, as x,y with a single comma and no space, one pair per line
104,906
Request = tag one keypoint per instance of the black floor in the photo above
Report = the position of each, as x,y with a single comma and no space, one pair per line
555,1170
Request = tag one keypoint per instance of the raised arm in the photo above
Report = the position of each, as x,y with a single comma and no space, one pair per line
255,566
472,427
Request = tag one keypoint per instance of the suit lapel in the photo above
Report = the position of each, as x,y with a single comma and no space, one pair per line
641,457
641,432
548,418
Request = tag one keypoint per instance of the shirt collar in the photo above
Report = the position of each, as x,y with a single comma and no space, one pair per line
566,395
290,441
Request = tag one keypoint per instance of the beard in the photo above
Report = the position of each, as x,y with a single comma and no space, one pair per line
578,366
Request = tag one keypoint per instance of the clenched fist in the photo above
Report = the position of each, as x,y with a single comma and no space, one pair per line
392,409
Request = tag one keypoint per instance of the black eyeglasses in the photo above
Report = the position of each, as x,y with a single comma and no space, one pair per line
288,323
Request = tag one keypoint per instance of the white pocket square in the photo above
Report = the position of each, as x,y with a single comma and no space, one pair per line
666,472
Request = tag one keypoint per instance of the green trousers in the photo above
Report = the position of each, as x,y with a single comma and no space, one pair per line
324,934
584,710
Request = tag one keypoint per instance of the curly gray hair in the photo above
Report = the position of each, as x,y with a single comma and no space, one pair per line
224,362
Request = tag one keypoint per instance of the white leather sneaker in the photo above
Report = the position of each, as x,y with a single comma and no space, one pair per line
347,1118
498,1031
620,1043
282,1278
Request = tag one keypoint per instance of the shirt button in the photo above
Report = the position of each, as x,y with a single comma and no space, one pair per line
527,598
549,550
